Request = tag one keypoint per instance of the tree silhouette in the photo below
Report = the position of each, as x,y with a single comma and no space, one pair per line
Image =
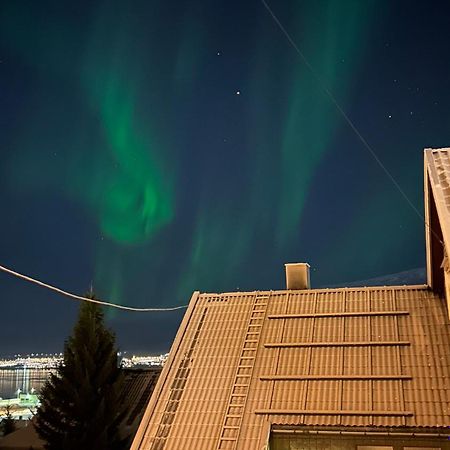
81,407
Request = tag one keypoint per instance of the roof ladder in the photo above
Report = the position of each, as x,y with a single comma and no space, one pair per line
231,427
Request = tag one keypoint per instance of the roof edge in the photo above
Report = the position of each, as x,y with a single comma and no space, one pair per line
318,290
356,430
173,353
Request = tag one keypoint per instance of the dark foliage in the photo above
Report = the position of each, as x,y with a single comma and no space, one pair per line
80,404
8,425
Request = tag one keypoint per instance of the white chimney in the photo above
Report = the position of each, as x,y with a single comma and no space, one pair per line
297,276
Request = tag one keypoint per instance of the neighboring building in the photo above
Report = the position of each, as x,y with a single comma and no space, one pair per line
350,368
137,390
24,438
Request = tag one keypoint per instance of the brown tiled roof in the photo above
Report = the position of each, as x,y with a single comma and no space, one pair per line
242,362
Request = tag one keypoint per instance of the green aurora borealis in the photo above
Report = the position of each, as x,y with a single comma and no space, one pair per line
129,112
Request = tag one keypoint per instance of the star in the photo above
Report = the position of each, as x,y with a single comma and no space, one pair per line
390,116
218,53
238,92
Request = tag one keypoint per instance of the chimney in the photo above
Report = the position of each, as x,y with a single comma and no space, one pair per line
297,276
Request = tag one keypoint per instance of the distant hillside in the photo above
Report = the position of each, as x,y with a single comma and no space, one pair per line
413,276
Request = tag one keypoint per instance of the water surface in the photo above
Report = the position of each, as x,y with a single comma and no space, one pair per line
25,379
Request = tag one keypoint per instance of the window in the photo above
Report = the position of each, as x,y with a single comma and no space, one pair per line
373,447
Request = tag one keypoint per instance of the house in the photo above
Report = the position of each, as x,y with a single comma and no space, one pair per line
361,368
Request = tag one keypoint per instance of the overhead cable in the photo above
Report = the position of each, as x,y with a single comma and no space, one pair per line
85,299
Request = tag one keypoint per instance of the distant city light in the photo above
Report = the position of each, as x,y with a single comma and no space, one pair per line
26,400
52,361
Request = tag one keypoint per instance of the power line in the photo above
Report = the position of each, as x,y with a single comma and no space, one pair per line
84,299
324,87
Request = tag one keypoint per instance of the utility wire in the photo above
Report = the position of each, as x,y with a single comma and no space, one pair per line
324,87
84,299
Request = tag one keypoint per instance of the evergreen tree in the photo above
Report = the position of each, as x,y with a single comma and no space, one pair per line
81,405
7,424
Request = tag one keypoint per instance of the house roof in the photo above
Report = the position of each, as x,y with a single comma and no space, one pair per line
245,363
22,439
437,172
242,363
437,216
136,392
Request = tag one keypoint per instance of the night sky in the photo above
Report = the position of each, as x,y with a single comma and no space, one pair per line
154,148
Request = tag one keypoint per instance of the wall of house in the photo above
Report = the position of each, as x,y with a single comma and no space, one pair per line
340,442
